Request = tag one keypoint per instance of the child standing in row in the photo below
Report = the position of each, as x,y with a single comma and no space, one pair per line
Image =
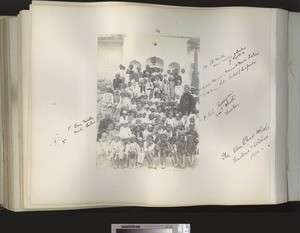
181,150
149,149
164,148
140,152
103,149
191,147
117,151
131,149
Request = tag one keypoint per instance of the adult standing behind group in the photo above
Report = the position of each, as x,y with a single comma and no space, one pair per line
117,81
103,126
187,102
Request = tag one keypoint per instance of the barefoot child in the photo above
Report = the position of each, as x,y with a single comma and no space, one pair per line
102,149
117,150
140,152
131,151
174,154
125,160
181,150
149,149
191,147
164,148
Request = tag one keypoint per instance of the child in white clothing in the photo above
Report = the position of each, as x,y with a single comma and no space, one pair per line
149,149
140,152
131,150
117,151
102,149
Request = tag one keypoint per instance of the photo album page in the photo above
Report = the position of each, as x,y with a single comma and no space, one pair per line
151,106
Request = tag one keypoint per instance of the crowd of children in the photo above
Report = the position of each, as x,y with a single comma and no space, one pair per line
147,116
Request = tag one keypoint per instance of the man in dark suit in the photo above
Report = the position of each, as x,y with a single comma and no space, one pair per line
117,81
104,125
187,102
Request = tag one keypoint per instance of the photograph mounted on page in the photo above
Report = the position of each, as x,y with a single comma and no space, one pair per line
147,102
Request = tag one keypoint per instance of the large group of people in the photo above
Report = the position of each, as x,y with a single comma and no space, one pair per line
146,116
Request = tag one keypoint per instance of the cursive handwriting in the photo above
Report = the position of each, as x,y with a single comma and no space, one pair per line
229,66
226,105
238,53
225,155
72,129
58,140
250,145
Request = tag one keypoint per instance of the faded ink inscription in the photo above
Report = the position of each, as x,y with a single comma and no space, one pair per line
232,65
250,146
61,139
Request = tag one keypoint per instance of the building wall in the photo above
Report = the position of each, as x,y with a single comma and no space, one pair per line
143,47
110,55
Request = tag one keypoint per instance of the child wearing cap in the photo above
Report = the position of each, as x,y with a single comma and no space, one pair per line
143,81
192,131
170,120
129,89
144,118
126,101
177,119
157,97
138,131
174,154
125,131
131,117
117,150
157,130
160,111
117,129
191,147
150,104
102,149
124,117
192,118
148,87
178,90
110,132
172,86
179,129
164,148
185,119
168,131
151,118
149,149
133,106
131,150
163,120
148,131
125,160
155,135
108,98
136,89
181,150
117,105
140,152
166,87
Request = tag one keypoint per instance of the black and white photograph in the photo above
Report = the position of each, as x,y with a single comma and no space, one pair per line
147,102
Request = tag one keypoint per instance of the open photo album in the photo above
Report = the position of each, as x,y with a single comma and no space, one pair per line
128,104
